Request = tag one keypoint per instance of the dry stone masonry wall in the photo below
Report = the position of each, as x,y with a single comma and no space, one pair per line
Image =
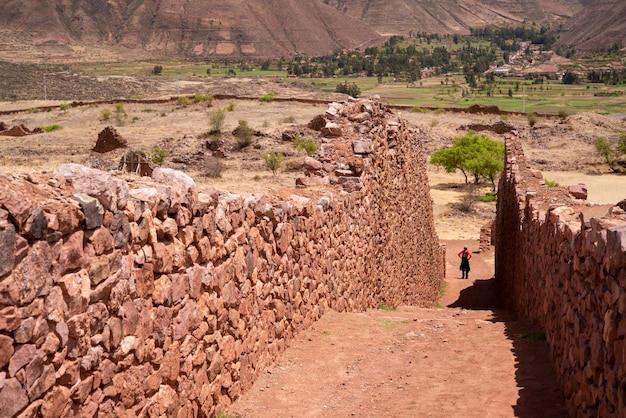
561,263
151,297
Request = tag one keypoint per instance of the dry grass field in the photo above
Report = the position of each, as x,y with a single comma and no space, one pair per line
562,149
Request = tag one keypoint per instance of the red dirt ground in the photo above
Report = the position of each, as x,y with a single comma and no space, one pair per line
465,359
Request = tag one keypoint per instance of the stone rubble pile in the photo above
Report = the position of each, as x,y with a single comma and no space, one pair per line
561,263
151,297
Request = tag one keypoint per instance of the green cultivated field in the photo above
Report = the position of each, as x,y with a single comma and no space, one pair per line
440,91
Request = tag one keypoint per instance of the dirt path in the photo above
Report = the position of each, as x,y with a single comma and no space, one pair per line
459,361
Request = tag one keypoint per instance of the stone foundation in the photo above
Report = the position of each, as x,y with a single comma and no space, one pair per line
560,262
150,297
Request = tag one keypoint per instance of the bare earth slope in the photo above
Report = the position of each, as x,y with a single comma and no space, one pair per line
597,26
100,30
69,30
451,16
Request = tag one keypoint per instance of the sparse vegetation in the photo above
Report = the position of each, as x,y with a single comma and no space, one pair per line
419,109
158,155
267,98
53,127
288,119
384,307
231,107
203,99
183,101
305,144
489,197
244,134
273,161
550,183
604,150
532,119
64,107
105,115
216,119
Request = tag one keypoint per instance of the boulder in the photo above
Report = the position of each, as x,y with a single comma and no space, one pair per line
578,191
110,191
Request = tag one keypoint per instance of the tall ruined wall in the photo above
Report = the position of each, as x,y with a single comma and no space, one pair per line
561,263
150,297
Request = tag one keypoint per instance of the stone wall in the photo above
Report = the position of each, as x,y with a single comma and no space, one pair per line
560,262
151,297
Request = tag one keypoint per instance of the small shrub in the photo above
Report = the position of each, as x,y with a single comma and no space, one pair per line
532,119
119,109
203,99
419,109
157,70
256,177
183,101
273,160
267,98
384,307
134,119
244,134
106,114
216,119
563,114
305,144
53,127
158,155
230,107
603,148
550,183
214,167
64,106
34,110
288,119
489,197
434,123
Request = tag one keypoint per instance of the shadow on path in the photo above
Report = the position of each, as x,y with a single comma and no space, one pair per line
540,394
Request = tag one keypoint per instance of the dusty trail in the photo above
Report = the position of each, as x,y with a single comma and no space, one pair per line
463,360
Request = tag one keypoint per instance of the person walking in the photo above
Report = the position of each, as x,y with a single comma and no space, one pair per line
465,265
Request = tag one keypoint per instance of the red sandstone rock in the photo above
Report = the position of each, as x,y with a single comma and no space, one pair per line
9,319
12,397
332,130
71,257
579,191
6,350
312,164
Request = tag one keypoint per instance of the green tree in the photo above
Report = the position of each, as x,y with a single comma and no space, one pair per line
157,70
474,155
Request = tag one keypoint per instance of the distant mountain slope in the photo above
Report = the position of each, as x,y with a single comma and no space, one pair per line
599,25
451,16
105,30
175,28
